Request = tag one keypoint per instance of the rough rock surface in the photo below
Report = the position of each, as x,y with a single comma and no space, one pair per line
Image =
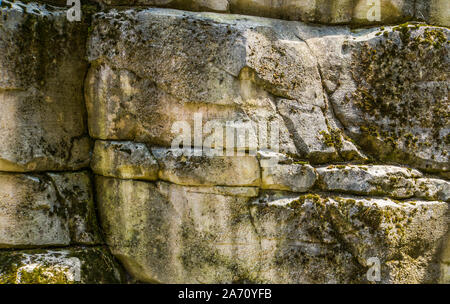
319,84
228,148
376,180
315,231
291,177
386,95
355,12
47,210
60,266
190,169
233,72
395,182
125,160
42,68
169,233
214,226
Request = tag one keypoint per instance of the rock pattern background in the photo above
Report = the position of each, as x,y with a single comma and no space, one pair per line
91,190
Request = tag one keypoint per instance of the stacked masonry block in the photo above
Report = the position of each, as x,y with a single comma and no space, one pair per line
47,214
89,107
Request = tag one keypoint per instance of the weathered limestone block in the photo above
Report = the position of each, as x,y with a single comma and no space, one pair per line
42,68
46,210
168,93
76,191
389,89
175,234
393,181
437,189
312,239
169,233
125,160
354,12
60,266
186,168
308,125
290,177
229,70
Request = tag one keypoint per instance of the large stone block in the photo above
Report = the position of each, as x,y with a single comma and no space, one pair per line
125,160
179,234
236,73
216,76
42,68
319,239
191,169
382,180
290,177
60,266
354,12
393,181
174,234
389,89
47,210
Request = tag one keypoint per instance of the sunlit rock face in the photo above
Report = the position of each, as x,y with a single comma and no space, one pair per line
44,203
47,210
201,142
329,88
179,234
389,89
42,67
339,96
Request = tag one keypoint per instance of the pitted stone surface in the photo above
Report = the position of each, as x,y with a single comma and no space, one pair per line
355,12
47,210
383,91
228,148
291,177
125,160
187,168
191,237
42,68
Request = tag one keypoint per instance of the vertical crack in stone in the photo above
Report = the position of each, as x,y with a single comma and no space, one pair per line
252,222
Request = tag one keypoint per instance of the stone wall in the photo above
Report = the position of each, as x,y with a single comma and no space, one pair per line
49,231
92,191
